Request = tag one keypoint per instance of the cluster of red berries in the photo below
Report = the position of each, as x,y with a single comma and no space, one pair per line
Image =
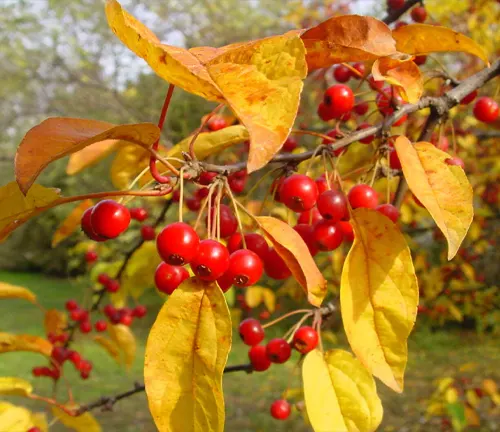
59,356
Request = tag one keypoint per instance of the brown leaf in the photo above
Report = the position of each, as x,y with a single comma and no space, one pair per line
90,155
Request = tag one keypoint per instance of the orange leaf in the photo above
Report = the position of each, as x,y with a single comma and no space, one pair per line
72,221
345,39
89,156
57,137
55,322
292,249
11,342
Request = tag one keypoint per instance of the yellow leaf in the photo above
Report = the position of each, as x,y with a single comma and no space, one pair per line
71,223
340,394
262,81
379,296
255,295
176,65
16,209
39,420
13,291
55,322
10,343
347,38
451,395
472,398
123,337
15,386
418,39
186,354
292,249
57,137
83,423
128,163
490,386
110,347
400,71
455,312
443,189
468,271
14,418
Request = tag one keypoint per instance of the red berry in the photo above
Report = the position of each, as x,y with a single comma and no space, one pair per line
418,14
455,161
486,110
140,311
112,286
206,178
278,350
258,358
169,277
332,205
299,192
139,214
34,429
310,217
212,260
394,161
193,204
327,235
228,221
325,112
306,232
201,193
87,226
441,143
91,257
103,278
148,233
290,144
389,210
126,319
342,73
109,309
71,305
254,242
251,332
340,99
85,327
275,267
237,185
176,195
386,102
280,409
305,339
109,219
368,139
322,184
360,68
59,354
469,98
177,243
85,366
361,108
245,268
395,4
100,326
375,85
225,282
76,314
363,195
420,60
400,24
115,317
216,123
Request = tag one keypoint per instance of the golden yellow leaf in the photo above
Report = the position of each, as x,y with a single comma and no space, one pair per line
292,249
262,82
400,71
14,291
347,38
451,395
10,342
57,137
14,418
490,386
92,154
418,39
255,295
71,223
472,398
128,162
379,296
15,386
176,65
16,209
186,354
110,347
83,423
39,420
340,394
443,189
123,337
472,417
55,322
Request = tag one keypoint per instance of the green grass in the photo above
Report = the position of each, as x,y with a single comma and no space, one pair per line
248,397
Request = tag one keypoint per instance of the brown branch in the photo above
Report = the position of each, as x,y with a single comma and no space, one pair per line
394,15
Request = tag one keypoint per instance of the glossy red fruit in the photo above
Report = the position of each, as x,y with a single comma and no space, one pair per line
176,195
328,235
418,14
169,277
139,311
360,68
305,339
254,242
38,371
212,260
310,217
100,326
126,319
85,327
278,350
342,74
363,195
148,233
334,134
455,161
394,161
325,112
420,60
322,184
177,243
77,315
395,4
139,214
400,24
332,205
251,331
469,98
112,286
245,268
368,139
290,144
91,257
59,354
275,267
375,85
34,429
228,221
361,108
86,366
216,123
340,99
486,110
87,226
71,305
389,210
109,219
207,177
201,193
280,409
237,185
103,278
306,232
299,192
109,309
258,358
193,204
